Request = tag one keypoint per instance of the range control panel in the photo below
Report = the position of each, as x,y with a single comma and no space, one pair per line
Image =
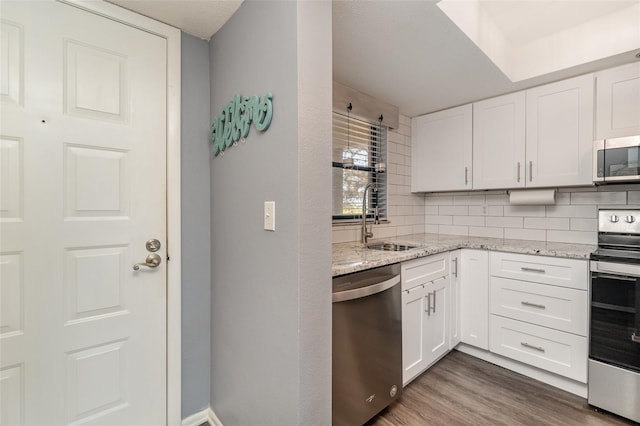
619,221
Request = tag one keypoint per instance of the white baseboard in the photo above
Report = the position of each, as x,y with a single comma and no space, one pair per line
554,380
197,419
213,419
205,416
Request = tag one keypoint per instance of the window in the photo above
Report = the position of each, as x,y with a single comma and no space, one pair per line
365,143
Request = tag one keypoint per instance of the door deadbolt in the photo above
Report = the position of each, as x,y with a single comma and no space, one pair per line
153,245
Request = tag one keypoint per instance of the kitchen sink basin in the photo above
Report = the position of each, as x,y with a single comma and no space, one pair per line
389,246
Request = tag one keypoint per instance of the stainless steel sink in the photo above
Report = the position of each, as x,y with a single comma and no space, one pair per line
389,246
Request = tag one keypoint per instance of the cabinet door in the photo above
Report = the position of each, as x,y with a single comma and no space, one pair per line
474,298
436,321
498,142
618,102
559,133
454,298
441,150
413,311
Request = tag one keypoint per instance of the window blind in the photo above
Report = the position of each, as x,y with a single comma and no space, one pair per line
366,143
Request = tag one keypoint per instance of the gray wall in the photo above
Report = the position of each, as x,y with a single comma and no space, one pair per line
196,223
271,291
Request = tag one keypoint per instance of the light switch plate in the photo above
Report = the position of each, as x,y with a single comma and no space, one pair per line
269,215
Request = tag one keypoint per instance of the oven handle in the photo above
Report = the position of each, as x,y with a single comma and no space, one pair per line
615,268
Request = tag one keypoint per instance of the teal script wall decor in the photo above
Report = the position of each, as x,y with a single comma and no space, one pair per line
235,119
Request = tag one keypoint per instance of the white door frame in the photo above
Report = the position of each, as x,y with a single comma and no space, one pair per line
173,37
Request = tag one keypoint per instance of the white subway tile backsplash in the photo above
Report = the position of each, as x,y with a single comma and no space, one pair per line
453,230
586,211
496,211
477,210
454,210
439,220
524,210
469,200
578,224
404,230
576,237
481,231
504,222
599,198
418,229
430,210
579,189
563,198
525,234
497,199
418,210
439,200
547,223
432,229
468,220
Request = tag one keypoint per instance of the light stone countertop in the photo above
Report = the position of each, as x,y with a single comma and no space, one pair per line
353,257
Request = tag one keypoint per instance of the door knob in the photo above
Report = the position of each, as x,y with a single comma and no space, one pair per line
152,261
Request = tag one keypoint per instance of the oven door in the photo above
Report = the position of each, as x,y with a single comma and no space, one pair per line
615,314
616,160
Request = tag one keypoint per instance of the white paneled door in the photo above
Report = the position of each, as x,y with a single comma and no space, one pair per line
82,175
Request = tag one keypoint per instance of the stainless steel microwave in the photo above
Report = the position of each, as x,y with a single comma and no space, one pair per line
616,160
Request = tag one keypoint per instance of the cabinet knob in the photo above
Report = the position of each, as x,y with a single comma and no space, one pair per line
613,219
629,219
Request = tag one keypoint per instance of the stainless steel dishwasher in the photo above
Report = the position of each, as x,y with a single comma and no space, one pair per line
367,344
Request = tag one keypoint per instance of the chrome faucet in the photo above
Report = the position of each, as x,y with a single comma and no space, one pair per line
367,234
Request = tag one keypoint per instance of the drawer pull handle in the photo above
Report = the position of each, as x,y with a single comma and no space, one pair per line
635,338
528,345
533,305
525,269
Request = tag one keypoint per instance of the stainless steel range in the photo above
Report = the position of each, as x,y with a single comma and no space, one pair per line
614,352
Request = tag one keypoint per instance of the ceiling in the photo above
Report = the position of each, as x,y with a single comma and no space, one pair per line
200,18
411,54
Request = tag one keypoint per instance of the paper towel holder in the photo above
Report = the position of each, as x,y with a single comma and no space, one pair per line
532,196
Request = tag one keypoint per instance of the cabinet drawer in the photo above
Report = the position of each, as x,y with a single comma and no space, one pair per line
424,270
555,351
561,308
571,273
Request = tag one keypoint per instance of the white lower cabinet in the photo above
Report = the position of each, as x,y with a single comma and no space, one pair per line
528,308
474,298
552,350
539,312
425,313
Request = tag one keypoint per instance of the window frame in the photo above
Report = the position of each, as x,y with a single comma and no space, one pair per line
375,144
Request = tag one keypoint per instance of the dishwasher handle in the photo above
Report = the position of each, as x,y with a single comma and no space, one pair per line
359,293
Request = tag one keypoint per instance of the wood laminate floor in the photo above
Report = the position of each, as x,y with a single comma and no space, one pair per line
464,390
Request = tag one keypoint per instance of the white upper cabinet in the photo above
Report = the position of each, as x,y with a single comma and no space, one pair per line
559,133
618,102
441,150
499,142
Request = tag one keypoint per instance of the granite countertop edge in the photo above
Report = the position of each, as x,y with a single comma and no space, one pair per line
353,257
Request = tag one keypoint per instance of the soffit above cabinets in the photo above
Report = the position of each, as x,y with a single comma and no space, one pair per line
527,39
412,55
200,18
